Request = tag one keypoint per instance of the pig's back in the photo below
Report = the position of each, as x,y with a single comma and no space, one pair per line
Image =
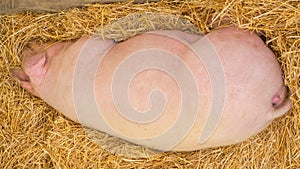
133,69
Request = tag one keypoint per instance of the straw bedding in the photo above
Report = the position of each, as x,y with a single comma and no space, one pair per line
34,135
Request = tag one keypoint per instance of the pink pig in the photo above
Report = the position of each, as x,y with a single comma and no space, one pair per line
89,81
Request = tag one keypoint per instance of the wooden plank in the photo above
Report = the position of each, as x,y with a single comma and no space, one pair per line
38,6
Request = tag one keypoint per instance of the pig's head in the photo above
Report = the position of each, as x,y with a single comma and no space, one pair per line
35,63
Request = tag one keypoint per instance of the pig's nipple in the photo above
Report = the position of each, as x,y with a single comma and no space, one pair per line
279,97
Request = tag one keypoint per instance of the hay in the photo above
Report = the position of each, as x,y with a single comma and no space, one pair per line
33,135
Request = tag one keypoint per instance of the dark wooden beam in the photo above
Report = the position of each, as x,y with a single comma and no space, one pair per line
38,6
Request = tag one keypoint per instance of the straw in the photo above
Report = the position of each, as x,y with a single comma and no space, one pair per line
34,135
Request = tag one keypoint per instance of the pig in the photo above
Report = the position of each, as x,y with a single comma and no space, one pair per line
225,101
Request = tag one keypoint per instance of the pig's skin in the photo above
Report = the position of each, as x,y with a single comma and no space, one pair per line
254,86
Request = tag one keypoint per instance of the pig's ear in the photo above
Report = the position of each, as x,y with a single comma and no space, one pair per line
19,74
31,59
